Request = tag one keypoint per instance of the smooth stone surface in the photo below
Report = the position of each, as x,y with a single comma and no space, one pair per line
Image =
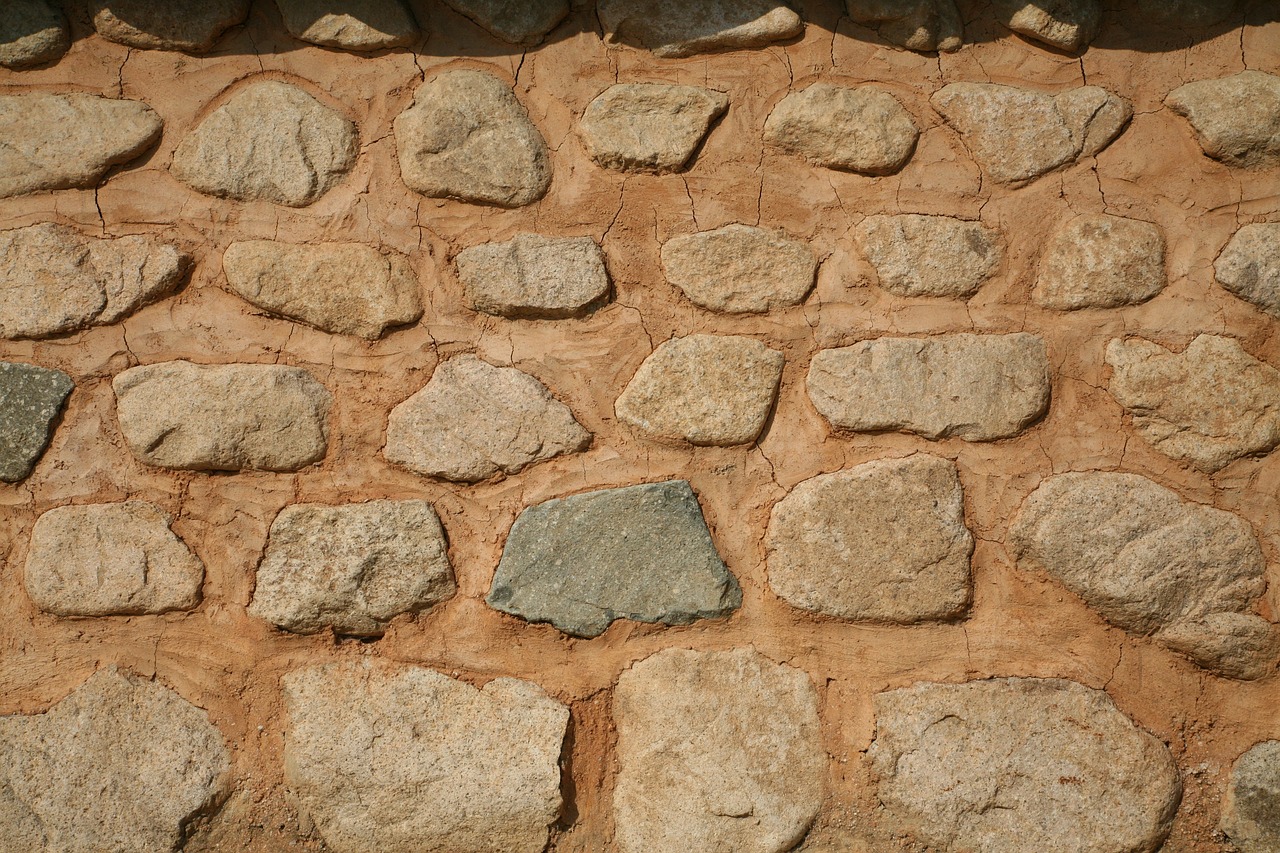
649,127
32,32
860,129
1236,118
31,398
360,25
1249,266
534,277
1064,24
677,28
523,22
1101,261
915,255
188,25
740,269
920,25
1251,807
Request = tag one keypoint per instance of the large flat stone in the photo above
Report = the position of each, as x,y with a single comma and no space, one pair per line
534,277
855,129
921,25
523,22
676,28
1251,807
740,269
360,25
32,32
1249,266
1236,118
188,25
915,255
31,398
1101,261
1063,24
649,127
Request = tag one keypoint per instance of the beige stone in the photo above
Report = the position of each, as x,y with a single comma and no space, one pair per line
649,127
32,32
921,25
1251,807
523,22
740,269
855,129
360,25
1249,266
534,277
1236,118
676,28
188,25
915,255
1101,261
1064,24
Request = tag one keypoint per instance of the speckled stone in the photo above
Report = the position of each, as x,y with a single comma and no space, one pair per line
30,399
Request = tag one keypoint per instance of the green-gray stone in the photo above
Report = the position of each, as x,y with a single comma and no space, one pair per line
30,399
1251,816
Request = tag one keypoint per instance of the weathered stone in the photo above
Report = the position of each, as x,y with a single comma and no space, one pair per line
917,255
716,751
1101,261
1208,406
351,568
974,387
1018,135
121,764
345,288
188,25
861,129
30,399
1251,808
1186,13
59,142
638,552
740,268
676,28
922,25
649,127
704,389
352,25
883,542
467,137
1065,24
1016,764
1249,266
1150,563
524,22
223,417
270,141
32,32
534,277
410,760
1236,118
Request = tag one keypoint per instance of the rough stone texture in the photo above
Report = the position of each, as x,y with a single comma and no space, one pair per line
1190,14
917,255
467,137
974,387
344,288
649,127
352,568
716,751
30,399
523,22
1101,261
1236,118
361,25
1207,406
1150,563
921,25
1251,808
387,761
534,277
704,389
637,552
225,417
188,25
862,129
1065,24
883,542
1249,266
270,141
121,764
676,28
740,269
32,32
1017,135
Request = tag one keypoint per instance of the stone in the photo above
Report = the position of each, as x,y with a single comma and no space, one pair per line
1206,406
1065,24
939,256
649,127
1153,564
270,141
716,751
343,288
973,387
534,277
187,25
123,763
854,129
69,141
405,760
522,22
223,417
1251,808
1101,261
351,568
363,25
32,32
740,269
1186,13
31,398
882,542
1236,118
637,552
676,28
466,137
920,25
1017,135
1249,266
1016,764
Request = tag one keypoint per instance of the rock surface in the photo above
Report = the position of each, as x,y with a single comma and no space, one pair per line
360,25
1065,24
1249,266
188,25
30,400
860,129
32,32
921,25
740,269
917,255
1101,261
649,127
716,751
637,552
1190,14
534,277
523,22
1251,808
677,28
1236,118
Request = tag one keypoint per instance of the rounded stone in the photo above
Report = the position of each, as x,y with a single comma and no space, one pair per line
915,255
1251,808
359,25
534,277
1063,24
648,127
740,269
676,28
1236,118
32,32
1249,266
1101,261
187,25
859,129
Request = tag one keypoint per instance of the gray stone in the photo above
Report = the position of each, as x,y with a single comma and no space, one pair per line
1249,266
30,400
1251,808
534,277
523,22
1186,13
740,269
1065,24
188,25
676,28
637,552
1101,261
716,751
921,25
860,129
649,127
915,255
32,32
360,25
1236,118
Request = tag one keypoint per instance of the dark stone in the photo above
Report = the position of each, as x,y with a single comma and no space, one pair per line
32,32
525,22
30,399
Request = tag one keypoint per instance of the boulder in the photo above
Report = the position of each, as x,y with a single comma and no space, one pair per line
649,127
1236,118
915,255
855,129
534,277
1101,261
740,269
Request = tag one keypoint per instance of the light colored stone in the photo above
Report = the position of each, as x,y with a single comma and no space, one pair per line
352,568
921,25
704,389
360,25
30,400
188,25
740,269
1101,261
408,760
1251,808
855,129
344,288
1236,118
474,420
523,22
32,32
534,277
223,417
649,127
716,751
1249,266
1206,406
1065,24
676,28
1016,764
121,764
915,255
466,137
974,387
270,141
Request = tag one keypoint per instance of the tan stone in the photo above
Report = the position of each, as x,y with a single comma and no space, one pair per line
859,129
649,127
188,25
523,22
1251,807
921,25
1236,118
1065,24
32,32
915,255
676,28
1249,266
534,277
740,268
1101,261
360,25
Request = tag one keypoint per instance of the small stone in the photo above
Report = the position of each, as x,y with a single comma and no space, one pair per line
1207,406
716,751
1249,266
1065,24
474,420
188,25
1016,764
32,32
223,417
406,760
344,288
122,763
30,400
883,542
675,28
467,137
638,552
360,25
740,269
921,25
534,277
270,141
1251,808
1101,261
704,389
861,129
917,255
59,142
116,559
1190,14
973,387
523,22
1236,118
648,127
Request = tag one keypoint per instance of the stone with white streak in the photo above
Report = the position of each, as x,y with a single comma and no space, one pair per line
675,28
